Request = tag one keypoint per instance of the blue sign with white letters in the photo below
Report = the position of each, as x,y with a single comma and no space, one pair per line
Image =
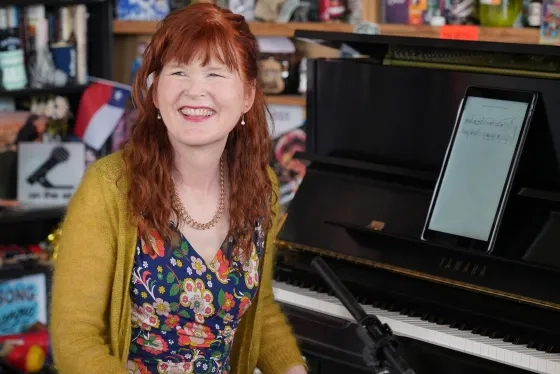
23,302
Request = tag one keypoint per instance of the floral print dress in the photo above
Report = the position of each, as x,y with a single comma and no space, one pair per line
185,311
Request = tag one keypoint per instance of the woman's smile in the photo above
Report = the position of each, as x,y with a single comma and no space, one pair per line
196,113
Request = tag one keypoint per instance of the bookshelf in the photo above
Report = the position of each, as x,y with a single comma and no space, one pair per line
26,226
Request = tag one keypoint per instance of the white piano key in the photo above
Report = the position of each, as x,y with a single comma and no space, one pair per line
413,327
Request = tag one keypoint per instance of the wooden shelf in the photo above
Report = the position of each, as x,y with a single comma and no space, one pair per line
495,34
285,100
486,34
258,28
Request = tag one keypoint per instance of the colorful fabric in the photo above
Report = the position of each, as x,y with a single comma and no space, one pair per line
185,311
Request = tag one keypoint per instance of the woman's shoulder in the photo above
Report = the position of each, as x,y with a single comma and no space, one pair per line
106,174
110,168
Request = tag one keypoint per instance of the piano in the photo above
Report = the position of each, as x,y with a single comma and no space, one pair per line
377,131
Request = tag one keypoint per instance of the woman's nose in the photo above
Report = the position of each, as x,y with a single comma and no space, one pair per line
195,87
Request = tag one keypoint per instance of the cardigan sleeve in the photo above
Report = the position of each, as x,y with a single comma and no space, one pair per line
278,347
82,281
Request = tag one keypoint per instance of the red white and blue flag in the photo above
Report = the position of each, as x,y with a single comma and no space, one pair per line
101,107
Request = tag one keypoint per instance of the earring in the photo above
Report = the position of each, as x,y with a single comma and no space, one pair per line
243,120
158,116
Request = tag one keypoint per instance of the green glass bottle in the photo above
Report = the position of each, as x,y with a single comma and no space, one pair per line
499,13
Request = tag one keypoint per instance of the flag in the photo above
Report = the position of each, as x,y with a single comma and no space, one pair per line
101,107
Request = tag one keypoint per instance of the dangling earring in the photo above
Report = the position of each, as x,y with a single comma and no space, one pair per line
243,120
158,116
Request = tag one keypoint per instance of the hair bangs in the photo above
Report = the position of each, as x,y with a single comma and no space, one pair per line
205,43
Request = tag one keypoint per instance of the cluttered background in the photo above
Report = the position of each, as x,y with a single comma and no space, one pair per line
65,74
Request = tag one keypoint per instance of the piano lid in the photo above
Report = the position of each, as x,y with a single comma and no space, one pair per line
371,44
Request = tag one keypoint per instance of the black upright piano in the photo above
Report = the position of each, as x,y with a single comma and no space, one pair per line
377,132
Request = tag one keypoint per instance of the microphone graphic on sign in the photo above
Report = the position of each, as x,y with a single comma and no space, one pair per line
58,155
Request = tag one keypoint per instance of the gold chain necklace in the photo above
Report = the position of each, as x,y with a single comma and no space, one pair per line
185,217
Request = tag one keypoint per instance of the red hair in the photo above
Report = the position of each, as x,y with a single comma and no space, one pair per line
207,31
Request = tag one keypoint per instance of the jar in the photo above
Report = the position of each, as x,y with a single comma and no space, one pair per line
499,13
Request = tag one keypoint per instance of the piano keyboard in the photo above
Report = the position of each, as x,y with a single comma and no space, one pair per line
463,341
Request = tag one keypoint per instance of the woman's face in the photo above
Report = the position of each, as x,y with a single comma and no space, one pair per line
199,104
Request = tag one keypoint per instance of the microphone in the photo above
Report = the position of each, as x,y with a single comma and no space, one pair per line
58,155
381,345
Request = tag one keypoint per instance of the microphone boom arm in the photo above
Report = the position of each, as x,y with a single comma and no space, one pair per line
380,351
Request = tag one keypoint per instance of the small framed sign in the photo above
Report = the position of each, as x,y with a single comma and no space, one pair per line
23,303
49,173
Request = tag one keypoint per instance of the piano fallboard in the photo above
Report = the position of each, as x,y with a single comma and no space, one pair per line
329,216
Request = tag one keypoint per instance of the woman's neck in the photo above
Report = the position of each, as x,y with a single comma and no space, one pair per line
197,169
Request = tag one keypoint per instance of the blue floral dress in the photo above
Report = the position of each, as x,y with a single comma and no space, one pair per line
185,311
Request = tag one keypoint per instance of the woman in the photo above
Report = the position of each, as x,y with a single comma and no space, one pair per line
167,247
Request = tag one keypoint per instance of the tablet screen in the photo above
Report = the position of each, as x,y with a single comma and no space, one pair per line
477,168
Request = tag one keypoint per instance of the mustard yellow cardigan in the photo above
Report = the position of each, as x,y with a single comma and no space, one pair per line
91,307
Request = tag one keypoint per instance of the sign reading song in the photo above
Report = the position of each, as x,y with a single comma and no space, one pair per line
23,302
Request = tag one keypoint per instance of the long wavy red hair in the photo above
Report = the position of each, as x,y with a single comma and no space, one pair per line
207,31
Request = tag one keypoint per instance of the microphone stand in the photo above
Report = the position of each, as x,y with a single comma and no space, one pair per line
380,351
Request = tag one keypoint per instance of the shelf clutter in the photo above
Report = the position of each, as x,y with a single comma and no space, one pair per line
144,29
490,34
50,50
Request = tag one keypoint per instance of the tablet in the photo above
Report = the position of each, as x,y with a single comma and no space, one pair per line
478,169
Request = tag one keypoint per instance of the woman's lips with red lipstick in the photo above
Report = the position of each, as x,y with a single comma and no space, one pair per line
197,113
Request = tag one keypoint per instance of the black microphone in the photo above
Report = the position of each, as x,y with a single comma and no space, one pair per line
58,155
377,336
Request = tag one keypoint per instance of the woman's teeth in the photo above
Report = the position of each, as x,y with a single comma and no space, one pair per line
197,112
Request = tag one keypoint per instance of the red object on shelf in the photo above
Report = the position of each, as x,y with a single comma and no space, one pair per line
27,351
459,32
35,248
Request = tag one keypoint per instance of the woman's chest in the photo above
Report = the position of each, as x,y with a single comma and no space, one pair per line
180,282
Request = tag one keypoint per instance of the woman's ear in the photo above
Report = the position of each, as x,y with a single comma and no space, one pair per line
149,83
155,99
249,97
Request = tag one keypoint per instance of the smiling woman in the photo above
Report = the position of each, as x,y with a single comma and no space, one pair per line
166,258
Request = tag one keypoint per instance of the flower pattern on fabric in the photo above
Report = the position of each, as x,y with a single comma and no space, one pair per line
185,311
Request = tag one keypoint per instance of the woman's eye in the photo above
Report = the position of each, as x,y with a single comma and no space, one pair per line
215,75
178,73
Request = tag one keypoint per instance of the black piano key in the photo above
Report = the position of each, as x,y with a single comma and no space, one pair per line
482,331
496,335
552,349
363,300
533,344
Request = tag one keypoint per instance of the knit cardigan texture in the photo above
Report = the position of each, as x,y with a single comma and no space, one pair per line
90,323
